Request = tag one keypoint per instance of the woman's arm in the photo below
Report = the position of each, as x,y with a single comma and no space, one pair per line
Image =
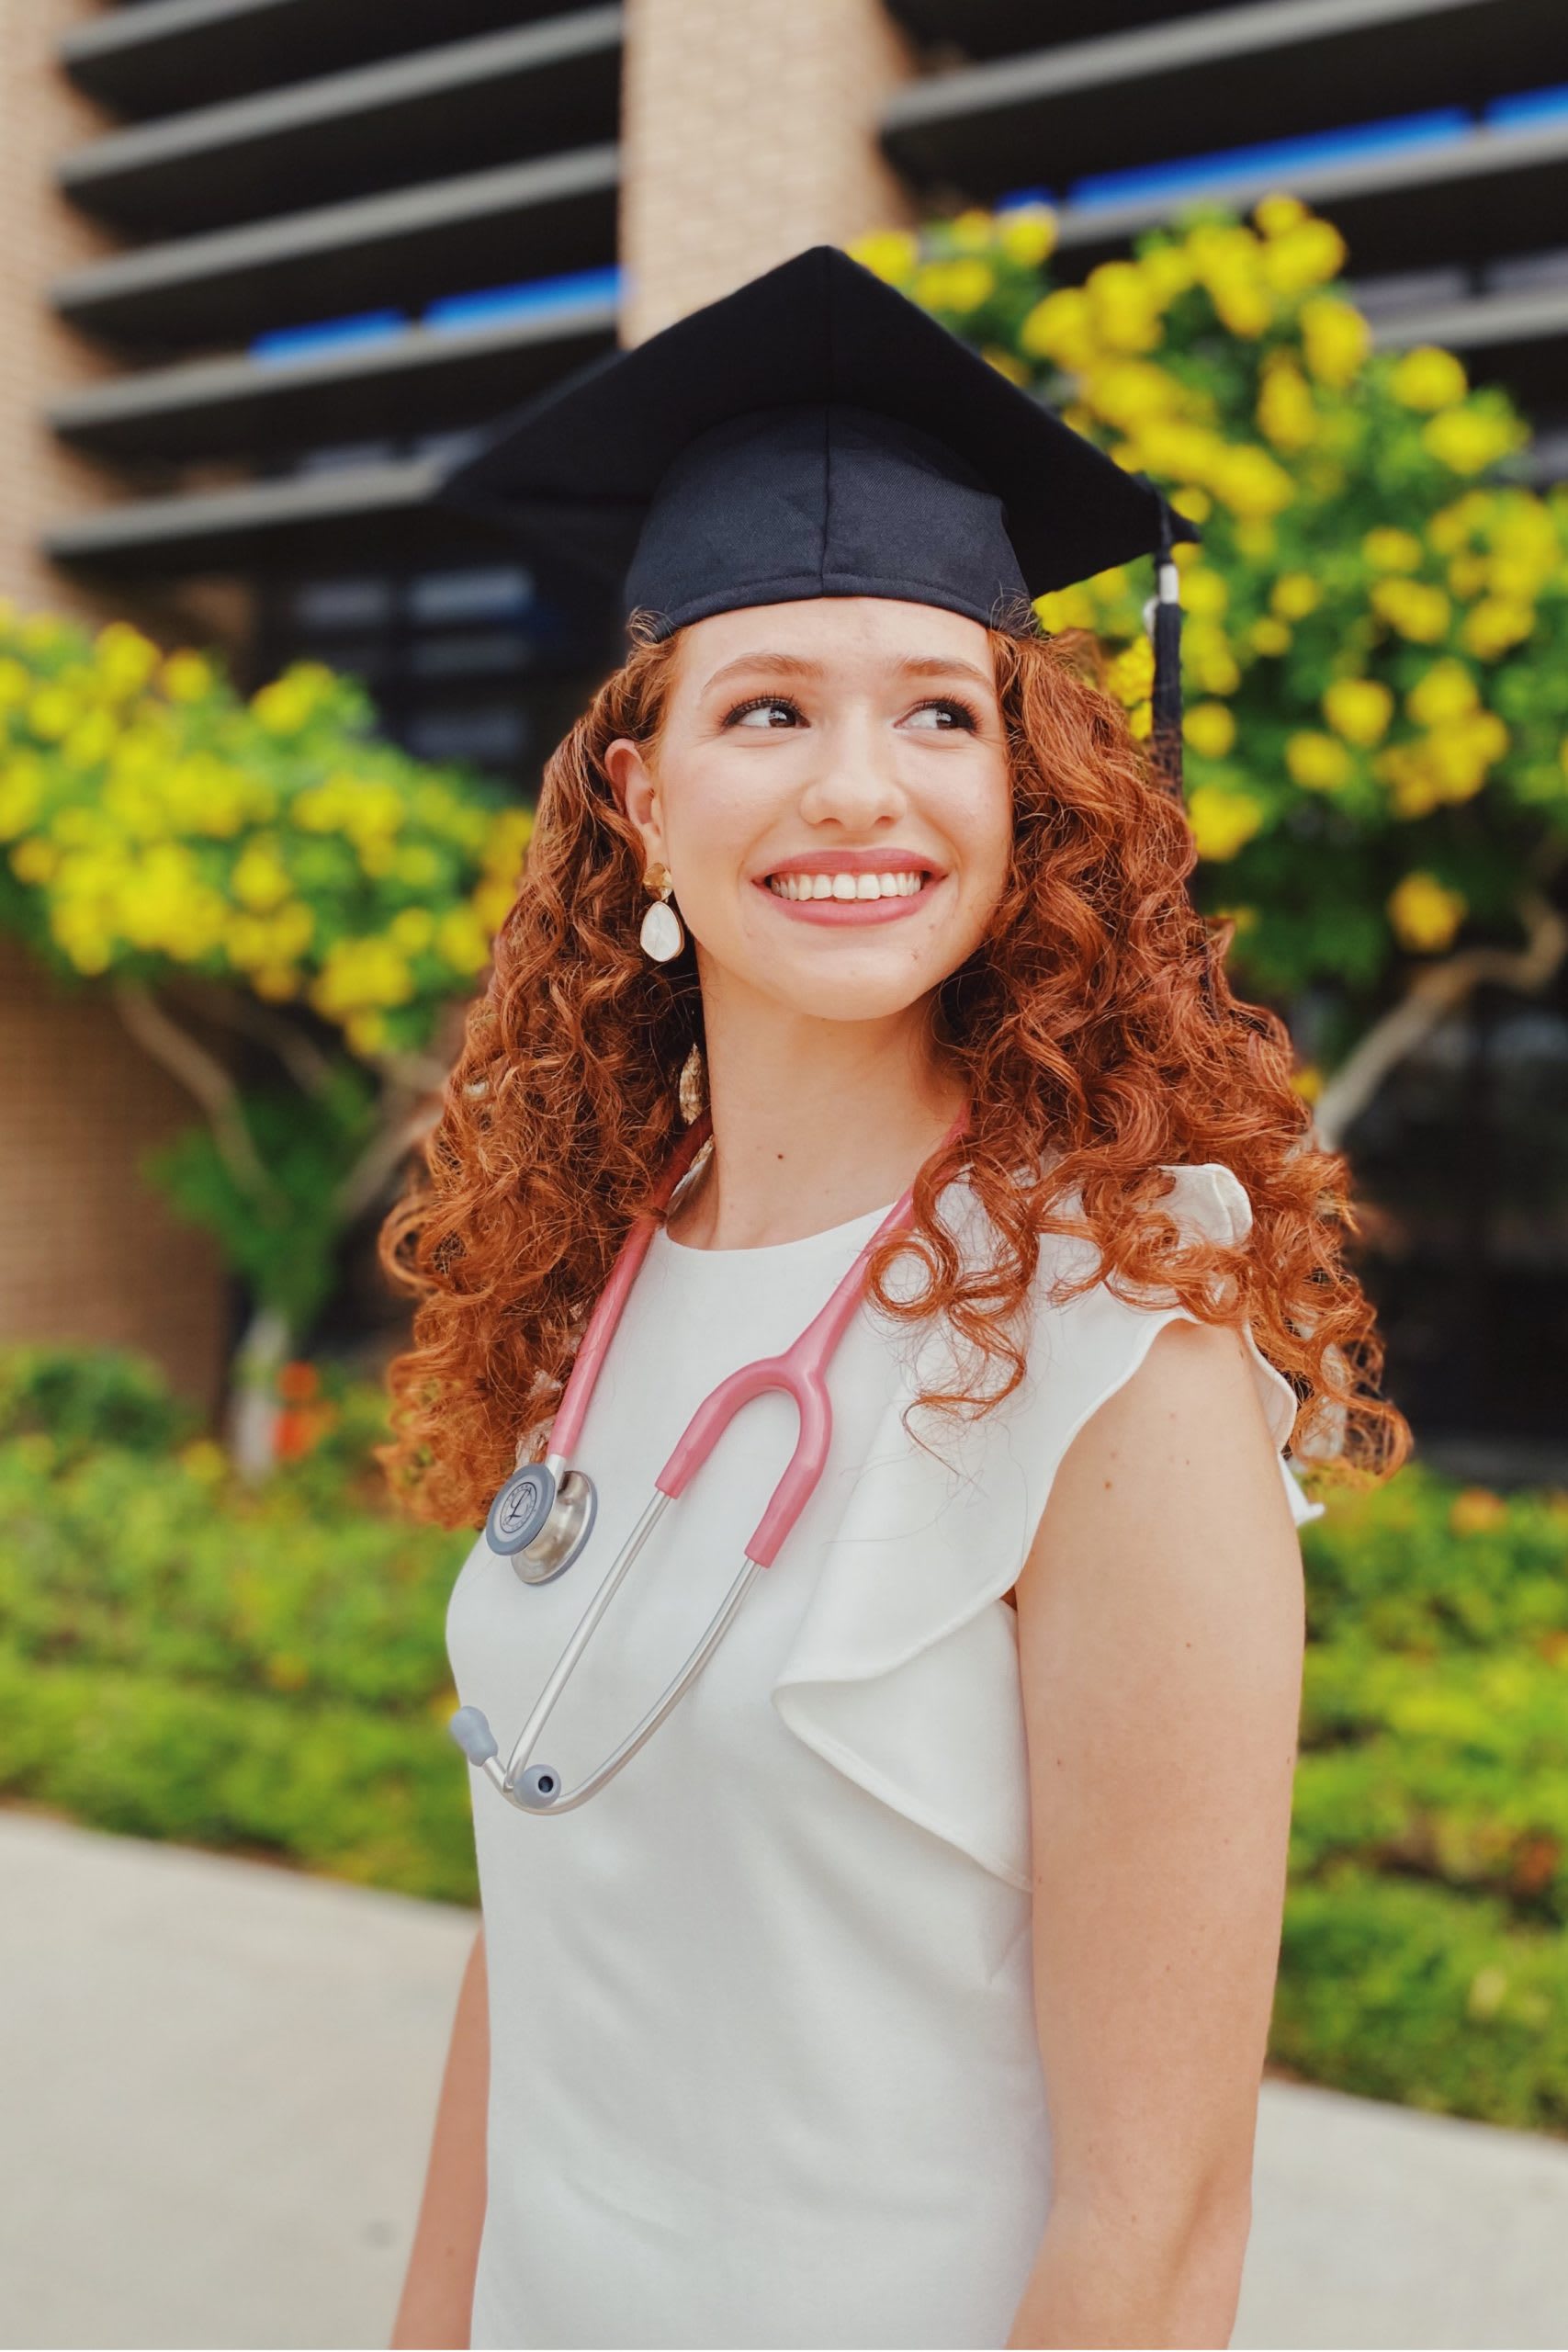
1161,1626
438,2290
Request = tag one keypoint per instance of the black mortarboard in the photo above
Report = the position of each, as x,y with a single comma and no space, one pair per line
816,434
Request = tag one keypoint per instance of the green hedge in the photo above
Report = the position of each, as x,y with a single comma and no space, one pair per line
183,1656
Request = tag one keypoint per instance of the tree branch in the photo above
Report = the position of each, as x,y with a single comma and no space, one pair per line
200,1075
1437,992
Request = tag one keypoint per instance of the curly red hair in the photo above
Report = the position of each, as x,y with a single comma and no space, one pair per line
1094,1027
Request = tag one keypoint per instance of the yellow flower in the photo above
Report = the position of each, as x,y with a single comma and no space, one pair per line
1195,504
283,707
1308,254
1223,822
1060,328
90,742
413,927
1426,914
1210,729
1269,636
187,677
959,286
1285,412
360,975
260,879
125,659
1458,756
1131,675
52,713
1063,608
1307,1081
1242,301
1294,595
506,842
1467,440
461,940
1318,763
1027,234
204,1460
366,1032
1336,339
1276,214
1127,392
1124,306
972,229
1257,538
21,795
1204,593
1387,548
34,860
1359,709
1247,480
1427,377
1418,611
889,253
1497,622
1447,691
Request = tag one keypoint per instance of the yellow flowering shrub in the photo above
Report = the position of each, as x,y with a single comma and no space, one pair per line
152,820
1375,649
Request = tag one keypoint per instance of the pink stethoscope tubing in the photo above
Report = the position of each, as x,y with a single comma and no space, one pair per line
800,1371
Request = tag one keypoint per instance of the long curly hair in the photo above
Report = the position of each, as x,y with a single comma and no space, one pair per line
1095,1030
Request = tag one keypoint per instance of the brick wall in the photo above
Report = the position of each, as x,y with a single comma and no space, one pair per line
87,1252
748,130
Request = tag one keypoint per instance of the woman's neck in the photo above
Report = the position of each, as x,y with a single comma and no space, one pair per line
813,1123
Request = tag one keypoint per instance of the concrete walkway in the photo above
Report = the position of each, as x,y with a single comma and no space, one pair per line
219,2082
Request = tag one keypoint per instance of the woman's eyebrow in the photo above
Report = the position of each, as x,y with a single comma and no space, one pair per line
945,665
788,665
796,665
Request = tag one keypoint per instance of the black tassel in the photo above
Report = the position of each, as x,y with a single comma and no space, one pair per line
1166,730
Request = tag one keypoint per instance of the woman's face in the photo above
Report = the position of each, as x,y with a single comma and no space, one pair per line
813,749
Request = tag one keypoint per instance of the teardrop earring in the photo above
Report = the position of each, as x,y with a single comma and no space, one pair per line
661,935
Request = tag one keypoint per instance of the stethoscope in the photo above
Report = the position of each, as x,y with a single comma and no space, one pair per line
543,1516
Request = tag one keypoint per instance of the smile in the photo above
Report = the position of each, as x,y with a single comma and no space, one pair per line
847,897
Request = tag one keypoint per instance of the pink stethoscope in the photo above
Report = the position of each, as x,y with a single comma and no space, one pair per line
542,1517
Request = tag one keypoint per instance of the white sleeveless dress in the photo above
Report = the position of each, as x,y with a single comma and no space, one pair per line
764,2068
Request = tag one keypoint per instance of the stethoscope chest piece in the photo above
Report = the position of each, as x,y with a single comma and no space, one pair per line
539,1525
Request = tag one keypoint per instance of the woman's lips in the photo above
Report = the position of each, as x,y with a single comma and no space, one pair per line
901,889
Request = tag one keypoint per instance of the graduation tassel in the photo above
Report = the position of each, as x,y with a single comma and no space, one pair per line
1166,629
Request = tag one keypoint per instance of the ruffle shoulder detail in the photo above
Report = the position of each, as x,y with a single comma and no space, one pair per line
903,1671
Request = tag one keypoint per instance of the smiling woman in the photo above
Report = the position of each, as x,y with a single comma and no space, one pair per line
907,1983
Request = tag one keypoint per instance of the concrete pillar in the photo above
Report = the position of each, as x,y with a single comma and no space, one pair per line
748,131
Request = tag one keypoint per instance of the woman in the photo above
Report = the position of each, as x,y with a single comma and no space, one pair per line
910,1984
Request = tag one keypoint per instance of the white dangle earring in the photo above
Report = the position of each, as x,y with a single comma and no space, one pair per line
662,937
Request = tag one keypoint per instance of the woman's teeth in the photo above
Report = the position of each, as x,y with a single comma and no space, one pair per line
846,886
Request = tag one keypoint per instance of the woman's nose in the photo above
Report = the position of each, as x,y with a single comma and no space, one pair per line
855,777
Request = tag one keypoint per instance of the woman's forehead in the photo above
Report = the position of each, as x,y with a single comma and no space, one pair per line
835,636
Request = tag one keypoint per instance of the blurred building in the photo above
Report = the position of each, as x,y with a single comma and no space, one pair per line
267,259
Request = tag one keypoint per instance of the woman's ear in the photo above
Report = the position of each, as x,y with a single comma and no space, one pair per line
637,792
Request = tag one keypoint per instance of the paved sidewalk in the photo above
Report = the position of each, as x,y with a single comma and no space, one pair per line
220,2080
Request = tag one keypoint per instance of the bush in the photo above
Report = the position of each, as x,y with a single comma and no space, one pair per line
185,1656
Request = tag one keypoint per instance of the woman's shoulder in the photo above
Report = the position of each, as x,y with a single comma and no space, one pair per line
1089,1331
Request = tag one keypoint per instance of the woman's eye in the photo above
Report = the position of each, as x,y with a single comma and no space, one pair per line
764,710
945,717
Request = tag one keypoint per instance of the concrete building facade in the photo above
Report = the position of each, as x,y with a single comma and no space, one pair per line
266,260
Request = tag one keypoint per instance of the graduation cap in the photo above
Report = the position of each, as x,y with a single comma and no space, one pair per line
817,433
